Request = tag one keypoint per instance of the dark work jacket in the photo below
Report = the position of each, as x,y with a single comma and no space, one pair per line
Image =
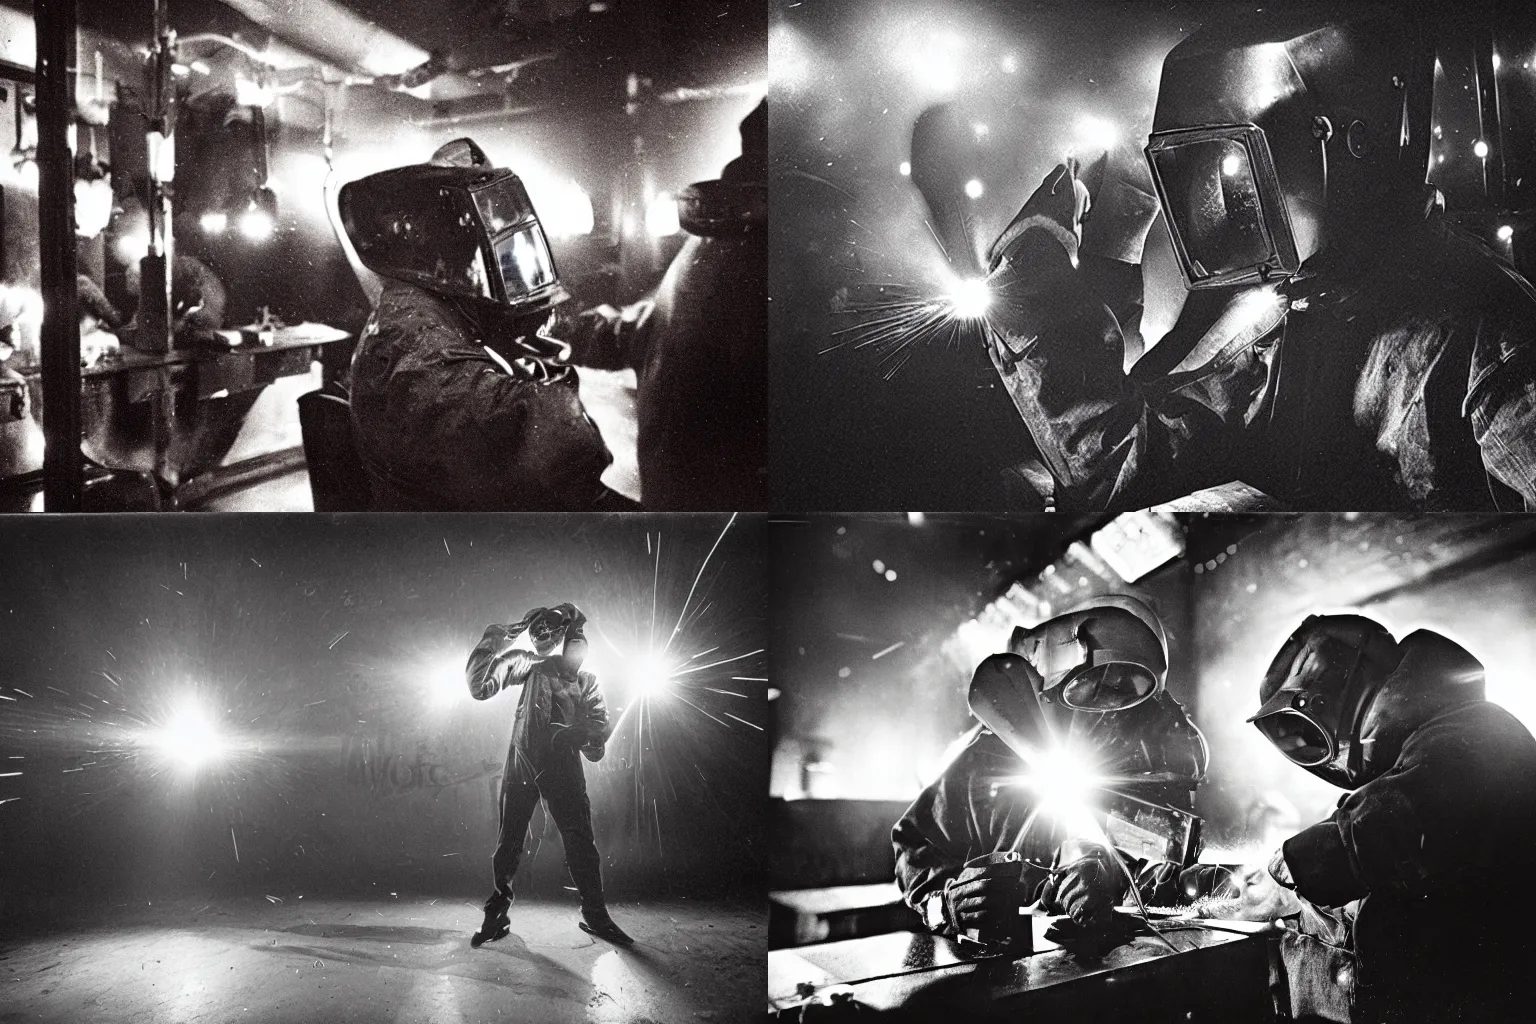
442,426
1409,385
555,695
1440,851
699,348
958,817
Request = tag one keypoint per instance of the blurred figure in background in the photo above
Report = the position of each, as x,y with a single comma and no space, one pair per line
699,346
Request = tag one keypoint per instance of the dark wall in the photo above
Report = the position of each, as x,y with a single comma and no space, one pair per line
331,652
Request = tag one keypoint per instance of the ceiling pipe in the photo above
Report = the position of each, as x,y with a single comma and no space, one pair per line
333,33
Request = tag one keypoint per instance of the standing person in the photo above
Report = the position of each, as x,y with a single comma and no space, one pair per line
560,714
1433,845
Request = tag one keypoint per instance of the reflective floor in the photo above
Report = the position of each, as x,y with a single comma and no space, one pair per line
305,960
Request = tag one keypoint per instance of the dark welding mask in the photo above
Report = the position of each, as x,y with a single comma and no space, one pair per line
1283,133
1110,656
1317,690
546,630
464,232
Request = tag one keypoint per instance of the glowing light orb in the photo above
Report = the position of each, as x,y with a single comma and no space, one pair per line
1505,232
1064,779
905,168
981,130
190,738
27,173
1010,64
257,225
969,298
974,188
661,216
213,223
1096,133
652,675
446,683
1480,149
1231,164
133,247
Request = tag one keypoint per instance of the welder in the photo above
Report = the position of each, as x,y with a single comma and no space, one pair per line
561,718
1427,860
1094,686
699,346
1340,345
459,401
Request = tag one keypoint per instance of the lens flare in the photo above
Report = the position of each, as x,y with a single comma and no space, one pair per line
652,675
190,738
970,298
256,225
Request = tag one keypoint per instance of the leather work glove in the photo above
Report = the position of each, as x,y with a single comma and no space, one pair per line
1057,206
1086,887
568,737
987,895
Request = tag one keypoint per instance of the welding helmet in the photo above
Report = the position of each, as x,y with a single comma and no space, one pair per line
1108,656
1283,133
1317,690
464,230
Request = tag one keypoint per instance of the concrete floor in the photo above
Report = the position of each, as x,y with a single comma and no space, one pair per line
307,960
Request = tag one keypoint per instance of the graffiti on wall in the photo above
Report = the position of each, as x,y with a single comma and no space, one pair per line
386,764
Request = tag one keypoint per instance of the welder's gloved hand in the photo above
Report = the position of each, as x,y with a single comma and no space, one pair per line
1058,206
568,737
987,895
1087,887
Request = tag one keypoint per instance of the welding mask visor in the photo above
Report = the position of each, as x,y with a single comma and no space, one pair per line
463,232
1105,658
1223,205
1316,689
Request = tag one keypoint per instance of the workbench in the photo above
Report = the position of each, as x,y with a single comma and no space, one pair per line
1226,971
176,414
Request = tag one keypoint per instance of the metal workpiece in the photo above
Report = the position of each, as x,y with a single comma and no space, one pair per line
1223,971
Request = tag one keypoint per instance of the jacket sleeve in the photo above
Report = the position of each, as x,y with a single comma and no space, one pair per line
430,399
937,834
1503,417
1109,439
1427,817
606,338
494,665
594,711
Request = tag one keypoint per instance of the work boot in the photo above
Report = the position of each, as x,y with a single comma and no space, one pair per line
599,924
496,925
